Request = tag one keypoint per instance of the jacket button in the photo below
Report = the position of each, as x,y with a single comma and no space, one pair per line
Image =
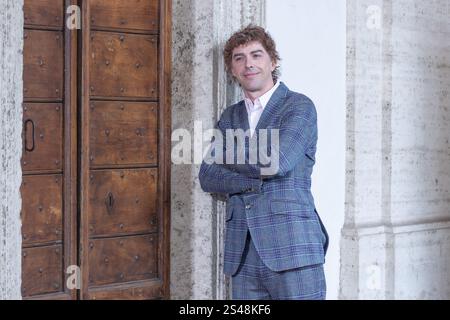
248,207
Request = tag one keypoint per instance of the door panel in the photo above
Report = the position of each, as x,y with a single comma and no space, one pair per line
42,209
134,14
116,260
43,64
123,65
42,270
123,133
134,291
43,136
47,13
122,202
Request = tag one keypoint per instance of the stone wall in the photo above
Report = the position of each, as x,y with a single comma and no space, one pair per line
11,53
396,237
200,92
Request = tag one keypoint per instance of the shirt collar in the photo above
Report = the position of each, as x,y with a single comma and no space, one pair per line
262,101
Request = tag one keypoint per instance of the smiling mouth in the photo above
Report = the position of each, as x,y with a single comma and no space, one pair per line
250,75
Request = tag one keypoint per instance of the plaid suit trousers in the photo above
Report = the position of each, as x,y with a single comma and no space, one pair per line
255,281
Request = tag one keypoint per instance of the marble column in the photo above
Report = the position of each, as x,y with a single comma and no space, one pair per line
200,92
396,237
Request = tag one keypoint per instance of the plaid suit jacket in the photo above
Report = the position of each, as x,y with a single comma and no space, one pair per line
277,209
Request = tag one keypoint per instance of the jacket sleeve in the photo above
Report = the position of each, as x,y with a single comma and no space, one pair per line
297,133
216,178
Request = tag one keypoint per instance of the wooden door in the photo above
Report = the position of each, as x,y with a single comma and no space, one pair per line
49,215
114,121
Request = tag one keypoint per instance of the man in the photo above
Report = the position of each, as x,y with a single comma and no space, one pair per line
275,243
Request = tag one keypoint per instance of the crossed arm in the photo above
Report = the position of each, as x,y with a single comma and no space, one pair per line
296,134
217,178
298,131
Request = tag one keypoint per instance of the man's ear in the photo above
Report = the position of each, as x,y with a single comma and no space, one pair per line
274,65
232,73
233,78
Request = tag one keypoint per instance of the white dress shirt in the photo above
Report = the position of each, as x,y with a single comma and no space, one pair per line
255,109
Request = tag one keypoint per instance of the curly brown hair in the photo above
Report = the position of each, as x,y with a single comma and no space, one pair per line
249,34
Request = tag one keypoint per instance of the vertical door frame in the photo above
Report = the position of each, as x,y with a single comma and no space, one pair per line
84,147
165,132
70,146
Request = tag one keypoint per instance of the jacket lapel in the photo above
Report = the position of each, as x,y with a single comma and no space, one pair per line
267,114
272,106
243,117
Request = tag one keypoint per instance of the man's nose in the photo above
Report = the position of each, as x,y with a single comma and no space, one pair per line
249,63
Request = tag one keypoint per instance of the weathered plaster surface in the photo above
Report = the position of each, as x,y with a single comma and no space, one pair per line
11,53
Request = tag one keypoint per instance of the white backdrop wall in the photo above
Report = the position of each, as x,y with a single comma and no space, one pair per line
311,39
